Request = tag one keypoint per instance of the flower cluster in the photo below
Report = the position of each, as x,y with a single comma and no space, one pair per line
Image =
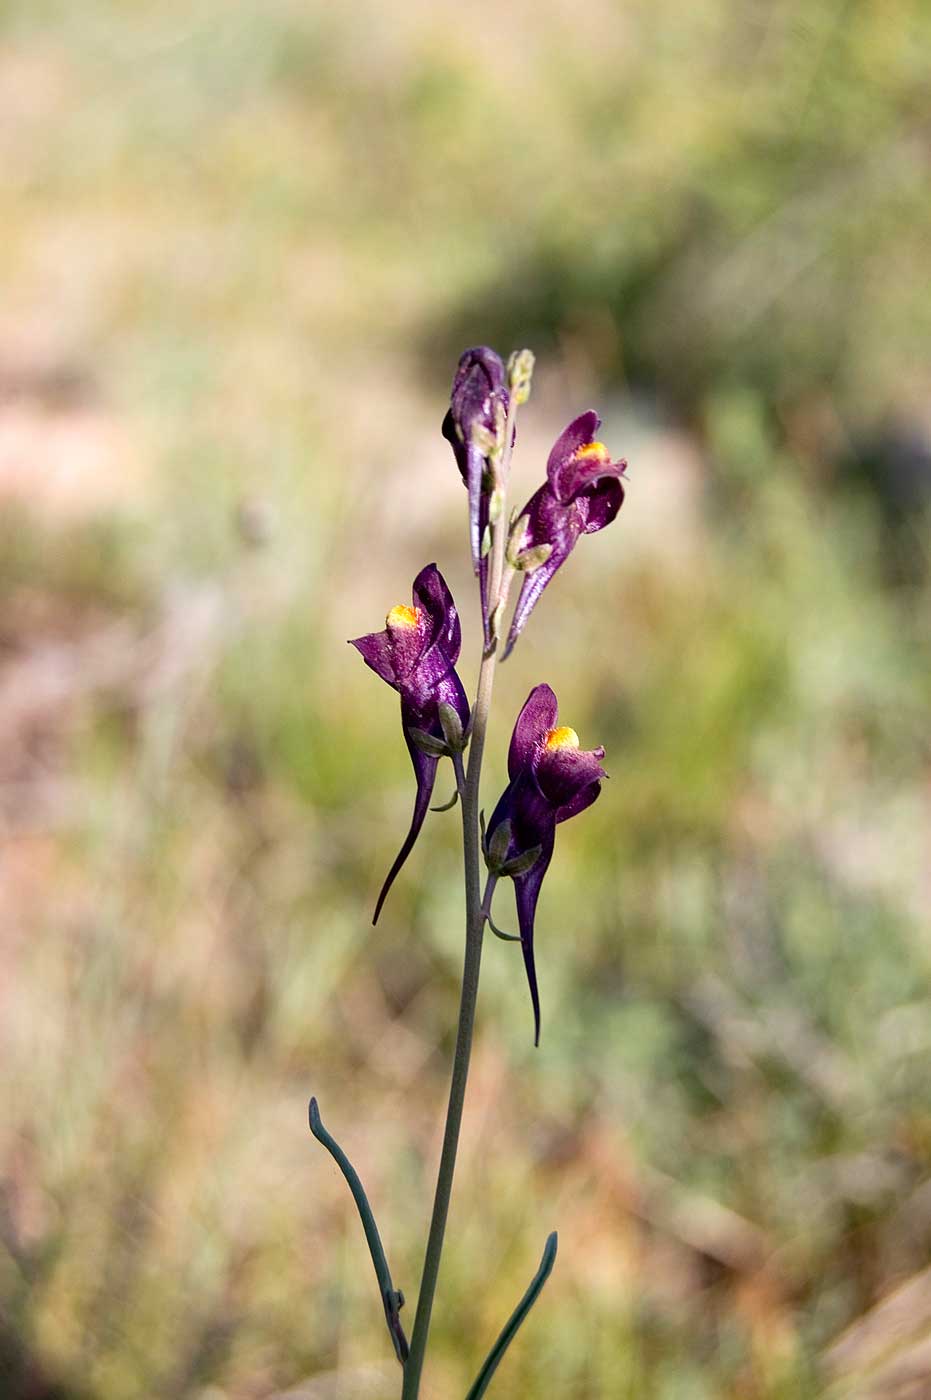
551,778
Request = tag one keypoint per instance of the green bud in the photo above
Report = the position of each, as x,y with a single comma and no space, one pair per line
486,541
496,505
530,559
520,373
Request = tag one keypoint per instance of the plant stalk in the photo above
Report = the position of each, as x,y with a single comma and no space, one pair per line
475,922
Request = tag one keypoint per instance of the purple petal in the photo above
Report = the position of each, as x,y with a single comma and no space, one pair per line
562,773
448,429
425,773
538,715
580,432
431,594
531,589
479,376
471,464
580,473
526,893
549,522
577,804
476,467
532,817
601,503
483,569
478,386
378,653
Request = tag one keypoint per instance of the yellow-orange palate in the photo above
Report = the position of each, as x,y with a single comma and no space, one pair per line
562,738
402,616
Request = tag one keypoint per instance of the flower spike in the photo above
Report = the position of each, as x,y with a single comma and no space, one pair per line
416,655
551,780
582,494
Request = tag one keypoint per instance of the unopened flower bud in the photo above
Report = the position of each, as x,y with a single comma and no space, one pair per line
520,373
474,429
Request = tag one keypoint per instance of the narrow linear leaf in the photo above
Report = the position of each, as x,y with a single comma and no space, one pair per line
392,1298
513,1323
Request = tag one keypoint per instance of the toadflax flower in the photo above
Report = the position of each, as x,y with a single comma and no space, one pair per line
551,779
477,410
583,493
416,654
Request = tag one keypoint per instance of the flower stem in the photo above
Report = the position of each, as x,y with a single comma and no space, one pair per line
475,923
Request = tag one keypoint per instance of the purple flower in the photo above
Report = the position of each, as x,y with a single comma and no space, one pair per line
582,494
551,779
416,654
478,403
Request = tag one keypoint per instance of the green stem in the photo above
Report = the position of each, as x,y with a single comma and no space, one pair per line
475,921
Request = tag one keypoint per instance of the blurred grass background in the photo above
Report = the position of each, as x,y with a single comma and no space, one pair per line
241,248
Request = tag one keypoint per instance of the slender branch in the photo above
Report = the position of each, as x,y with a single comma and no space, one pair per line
475,922
459,770
487,897
391,1297
459,789
510,1328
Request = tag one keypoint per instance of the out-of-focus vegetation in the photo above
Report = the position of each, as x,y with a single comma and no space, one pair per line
241,248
